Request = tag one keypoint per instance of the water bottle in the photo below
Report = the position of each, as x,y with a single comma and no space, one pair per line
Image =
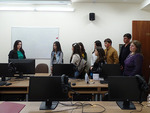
86,78
148,100
91,75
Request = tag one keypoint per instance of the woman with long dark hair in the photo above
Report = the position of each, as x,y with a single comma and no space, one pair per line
97,67
83,53
97,43
76,57
56,54
17,52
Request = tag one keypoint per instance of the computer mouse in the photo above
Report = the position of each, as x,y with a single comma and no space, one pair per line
73,84
7,84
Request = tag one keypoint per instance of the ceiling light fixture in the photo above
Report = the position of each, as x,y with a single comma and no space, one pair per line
61,2
59,9
17,9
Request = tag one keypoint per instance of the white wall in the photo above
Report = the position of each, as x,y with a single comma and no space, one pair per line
112,20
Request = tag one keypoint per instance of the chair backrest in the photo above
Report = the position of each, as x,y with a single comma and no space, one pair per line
41,68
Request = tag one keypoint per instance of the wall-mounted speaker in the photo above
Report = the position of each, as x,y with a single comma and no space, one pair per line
91,16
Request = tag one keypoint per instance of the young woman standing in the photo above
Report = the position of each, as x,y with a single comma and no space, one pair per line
76,57
56,55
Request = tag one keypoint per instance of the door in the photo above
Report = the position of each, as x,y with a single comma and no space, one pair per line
141,32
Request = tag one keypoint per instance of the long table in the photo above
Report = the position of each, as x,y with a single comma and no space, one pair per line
22,86
94,87
18,86
110,107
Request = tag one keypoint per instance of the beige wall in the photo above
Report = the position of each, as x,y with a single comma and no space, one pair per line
112,20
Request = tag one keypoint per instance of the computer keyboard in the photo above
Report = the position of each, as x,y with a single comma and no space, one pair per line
2,83
103,82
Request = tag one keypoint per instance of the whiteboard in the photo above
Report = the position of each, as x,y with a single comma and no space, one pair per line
37,42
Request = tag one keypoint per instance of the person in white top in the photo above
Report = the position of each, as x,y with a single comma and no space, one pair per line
97,43
76,57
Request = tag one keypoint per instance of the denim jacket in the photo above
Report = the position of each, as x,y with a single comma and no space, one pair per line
56,58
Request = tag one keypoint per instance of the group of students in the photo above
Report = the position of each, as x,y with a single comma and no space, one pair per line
130,57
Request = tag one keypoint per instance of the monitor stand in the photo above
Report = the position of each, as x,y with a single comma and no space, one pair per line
126,105
20,76
48,105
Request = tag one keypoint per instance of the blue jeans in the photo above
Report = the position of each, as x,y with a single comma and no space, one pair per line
76,74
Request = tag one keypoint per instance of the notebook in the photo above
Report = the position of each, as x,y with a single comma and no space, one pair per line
8,107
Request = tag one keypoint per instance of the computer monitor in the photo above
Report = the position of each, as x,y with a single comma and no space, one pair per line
124,89
23,66
49,89
5,71
110,70
60,69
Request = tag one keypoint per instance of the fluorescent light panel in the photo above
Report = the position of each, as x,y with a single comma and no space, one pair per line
35,5
17,9
40,8
35,2
54,9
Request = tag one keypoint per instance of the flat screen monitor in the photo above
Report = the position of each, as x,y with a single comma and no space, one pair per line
110,70
23,66
60,69
124,89
49,89
4,71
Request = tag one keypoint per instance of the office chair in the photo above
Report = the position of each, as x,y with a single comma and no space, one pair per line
41,68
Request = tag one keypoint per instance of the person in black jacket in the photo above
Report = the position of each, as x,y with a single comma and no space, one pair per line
125,50
17,52
97,67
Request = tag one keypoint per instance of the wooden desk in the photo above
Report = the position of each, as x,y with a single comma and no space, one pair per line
20,86
111,107
93,86
17,87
